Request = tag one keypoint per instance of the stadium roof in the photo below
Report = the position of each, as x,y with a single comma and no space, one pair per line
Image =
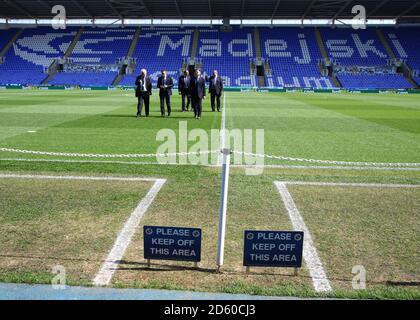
402,10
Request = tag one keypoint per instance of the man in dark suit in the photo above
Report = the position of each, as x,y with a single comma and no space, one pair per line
215,89
165,84
143,92
184,89
198,92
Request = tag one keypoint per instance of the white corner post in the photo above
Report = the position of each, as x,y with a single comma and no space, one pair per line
223,207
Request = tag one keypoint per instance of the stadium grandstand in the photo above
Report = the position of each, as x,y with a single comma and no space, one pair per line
284,165
270,43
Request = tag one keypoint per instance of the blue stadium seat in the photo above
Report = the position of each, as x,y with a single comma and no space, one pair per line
158,48
6,36
404,44
373,81
96,46
354,47
32,52
350,47
83,78
36,49
293,55
229,53
102,45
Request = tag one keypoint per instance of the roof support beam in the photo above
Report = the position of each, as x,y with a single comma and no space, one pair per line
146,9
178,10
308,9
81,8
113,9
242,9
374,10
120,9
46,5
408,10
341,10
19,8
210,10
130,8
275,9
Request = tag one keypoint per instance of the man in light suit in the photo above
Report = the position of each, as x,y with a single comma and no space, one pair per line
165,85
215,89
143,92
184,89
198,92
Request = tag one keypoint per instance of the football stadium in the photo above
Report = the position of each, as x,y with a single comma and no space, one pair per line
210,149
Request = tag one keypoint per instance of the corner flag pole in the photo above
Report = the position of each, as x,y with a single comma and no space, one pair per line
223,206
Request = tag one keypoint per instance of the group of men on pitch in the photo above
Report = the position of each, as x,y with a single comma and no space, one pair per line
191,88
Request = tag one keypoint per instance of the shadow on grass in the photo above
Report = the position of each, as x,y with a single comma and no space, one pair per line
14,256
143,266
150,116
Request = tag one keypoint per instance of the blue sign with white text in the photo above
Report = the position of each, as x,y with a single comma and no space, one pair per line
273,248
172,243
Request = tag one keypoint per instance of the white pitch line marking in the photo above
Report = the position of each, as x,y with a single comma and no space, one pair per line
310,255
350,184
285,166
94,161
232,165
319,277
111,263
97,178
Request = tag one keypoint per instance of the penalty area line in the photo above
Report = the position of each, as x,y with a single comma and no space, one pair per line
310,255
268,166
93,178
123,240
351,184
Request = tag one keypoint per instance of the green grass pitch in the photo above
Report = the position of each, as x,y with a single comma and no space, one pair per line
352,127
374,227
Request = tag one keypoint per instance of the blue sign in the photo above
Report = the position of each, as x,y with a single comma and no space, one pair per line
273,248
171,243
